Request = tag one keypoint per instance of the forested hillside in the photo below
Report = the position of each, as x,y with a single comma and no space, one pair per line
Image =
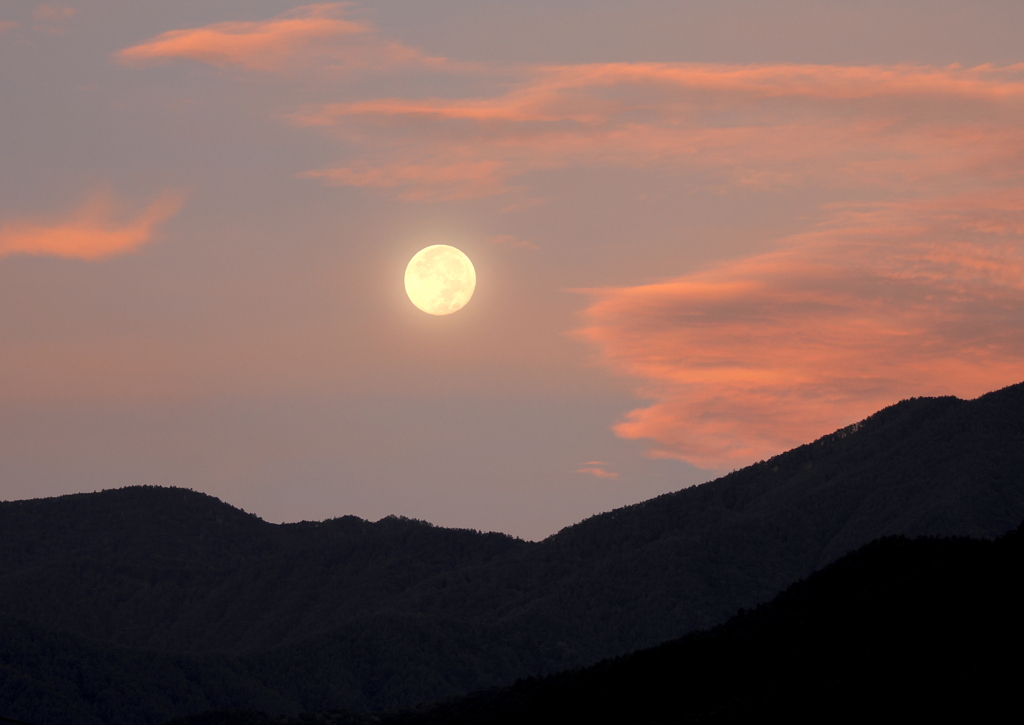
177,570
155,585
915,629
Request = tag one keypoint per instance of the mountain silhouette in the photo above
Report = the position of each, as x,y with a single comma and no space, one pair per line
174,602
901,629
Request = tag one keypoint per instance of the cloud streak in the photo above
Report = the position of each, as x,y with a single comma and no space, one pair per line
597,469
91,233
303,36
762,126
51,19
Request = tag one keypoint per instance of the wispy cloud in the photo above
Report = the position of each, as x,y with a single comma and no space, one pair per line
6,25
51,18
597,469
885,302
310,34
92,232
919,294
763,126
767,126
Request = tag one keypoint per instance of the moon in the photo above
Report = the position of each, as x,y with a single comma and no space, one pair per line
440,279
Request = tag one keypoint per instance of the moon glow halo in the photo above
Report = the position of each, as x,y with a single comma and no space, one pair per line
440,279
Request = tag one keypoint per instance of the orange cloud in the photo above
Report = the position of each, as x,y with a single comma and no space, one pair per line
596,94
90,233
6,25
50,19
885,302
767,126
592,469
770,126
297,38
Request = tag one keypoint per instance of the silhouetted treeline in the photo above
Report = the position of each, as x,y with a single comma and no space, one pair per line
136,605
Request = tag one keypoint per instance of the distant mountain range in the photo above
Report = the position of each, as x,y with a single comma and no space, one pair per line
137,605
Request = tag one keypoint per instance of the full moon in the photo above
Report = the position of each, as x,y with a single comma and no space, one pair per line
440,279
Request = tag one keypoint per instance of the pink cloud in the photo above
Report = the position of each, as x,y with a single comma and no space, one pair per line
51,18
313,33
754,356
768,126
592,469
6,25
90,233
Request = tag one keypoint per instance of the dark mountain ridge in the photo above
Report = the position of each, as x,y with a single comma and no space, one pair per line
386,614
131,561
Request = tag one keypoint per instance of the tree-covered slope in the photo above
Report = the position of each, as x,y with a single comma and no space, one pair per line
386,614
899,630
48,677
177,570
903,629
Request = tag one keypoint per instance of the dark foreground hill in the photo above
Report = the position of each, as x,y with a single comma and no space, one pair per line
925,629
151,586
900,630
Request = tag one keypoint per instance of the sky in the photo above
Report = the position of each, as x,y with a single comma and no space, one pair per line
703,232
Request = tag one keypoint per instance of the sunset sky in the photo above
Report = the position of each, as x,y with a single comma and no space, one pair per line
703,233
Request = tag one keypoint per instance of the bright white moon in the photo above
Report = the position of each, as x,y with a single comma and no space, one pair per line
440,279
